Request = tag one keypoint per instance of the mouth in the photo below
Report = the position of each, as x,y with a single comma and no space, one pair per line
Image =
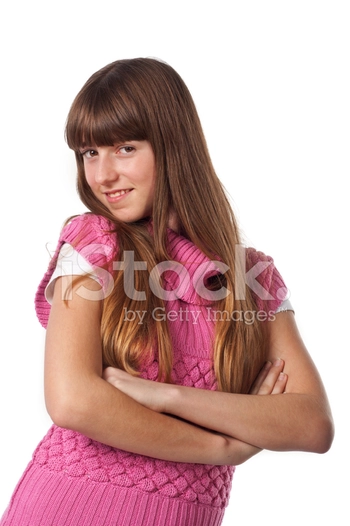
118,193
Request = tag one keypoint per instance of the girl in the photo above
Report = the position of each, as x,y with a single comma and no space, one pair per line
172,354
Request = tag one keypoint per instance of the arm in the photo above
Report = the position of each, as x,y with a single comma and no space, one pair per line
78,398
297,419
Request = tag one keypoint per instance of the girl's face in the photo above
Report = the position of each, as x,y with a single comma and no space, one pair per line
122,177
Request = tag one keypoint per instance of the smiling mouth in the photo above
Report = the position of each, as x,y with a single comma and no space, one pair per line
118,193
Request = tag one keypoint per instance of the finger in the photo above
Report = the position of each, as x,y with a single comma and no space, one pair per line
280,384
273,373
109,374
260,378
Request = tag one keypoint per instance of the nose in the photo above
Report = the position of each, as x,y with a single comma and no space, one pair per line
106,169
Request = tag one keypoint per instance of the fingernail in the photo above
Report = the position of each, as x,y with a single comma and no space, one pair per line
267,366
277,362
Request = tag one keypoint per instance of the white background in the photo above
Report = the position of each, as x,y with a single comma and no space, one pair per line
271,81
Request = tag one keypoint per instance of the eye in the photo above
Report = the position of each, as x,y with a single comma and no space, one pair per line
88,153
126,149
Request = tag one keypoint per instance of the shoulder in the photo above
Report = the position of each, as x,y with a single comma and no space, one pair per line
88,222
94,238
265,281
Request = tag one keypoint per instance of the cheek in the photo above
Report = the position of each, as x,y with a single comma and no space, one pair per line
152,187
89,178
153,176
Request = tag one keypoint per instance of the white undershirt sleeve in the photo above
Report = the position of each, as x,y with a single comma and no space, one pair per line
69,263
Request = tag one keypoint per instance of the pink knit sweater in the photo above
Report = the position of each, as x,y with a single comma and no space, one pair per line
75,481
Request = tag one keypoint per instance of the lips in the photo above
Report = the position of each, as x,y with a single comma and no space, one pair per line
118,193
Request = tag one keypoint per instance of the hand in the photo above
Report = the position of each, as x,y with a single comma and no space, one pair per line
270,380
145,392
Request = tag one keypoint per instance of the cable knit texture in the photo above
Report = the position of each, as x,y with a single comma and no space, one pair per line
73,480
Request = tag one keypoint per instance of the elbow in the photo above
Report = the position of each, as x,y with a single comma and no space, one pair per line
63,413
327,436
322,435
67,408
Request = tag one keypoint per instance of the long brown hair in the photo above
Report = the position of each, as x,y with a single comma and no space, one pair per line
146,99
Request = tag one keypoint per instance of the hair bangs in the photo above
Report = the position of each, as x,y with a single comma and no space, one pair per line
102,118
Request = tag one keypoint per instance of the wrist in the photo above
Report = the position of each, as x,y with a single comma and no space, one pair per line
171,399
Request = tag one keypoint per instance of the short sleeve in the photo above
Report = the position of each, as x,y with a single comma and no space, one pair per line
94,238
268,288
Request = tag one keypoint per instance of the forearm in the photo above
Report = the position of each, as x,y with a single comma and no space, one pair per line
107,415
277,422
297,418
265,418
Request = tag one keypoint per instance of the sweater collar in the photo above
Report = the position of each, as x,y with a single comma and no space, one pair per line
187,274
